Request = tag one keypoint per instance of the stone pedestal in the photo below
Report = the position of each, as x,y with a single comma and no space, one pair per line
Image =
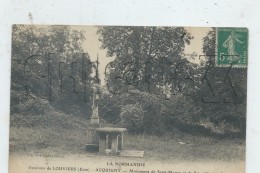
120,142
114,145
92,138
94,120
102,143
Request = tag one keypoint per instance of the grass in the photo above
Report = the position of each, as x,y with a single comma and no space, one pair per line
53,132
187,147
60,142
47,141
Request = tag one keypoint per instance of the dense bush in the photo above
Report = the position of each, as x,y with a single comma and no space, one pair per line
142,112
132,116
40,113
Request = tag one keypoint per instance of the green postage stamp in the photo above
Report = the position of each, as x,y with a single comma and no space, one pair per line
232,46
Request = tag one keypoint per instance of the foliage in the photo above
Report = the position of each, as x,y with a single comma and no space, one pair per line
48,63
150,88
39,113
144,56
209,43
158,114
132,116
224,91
209,99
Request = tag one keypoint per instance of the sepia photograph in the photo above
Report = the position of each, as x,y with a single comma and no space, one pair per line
140,99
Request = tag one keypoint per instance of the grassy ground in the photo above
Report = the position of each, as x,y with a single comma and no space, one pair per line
188,147
178,146
39,128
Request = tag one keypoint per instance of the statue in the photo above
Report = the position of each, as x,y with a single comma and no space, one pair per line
96,92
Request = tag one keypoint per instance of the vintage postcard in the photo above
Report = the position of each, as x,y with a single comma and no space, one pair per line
128,99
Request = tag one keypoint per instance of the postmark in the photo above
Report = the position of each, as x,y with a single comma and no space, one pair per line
231,47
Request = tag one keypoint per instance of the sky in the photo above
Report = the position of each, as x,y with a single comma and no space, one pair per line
196,44
93,47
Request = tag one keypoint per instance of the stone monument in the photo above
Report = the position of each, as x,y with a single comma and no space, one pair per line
104,139
92,137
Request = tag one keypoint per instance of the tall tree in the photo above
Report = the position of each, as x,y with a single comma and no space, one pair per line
144,56
223,90
48,62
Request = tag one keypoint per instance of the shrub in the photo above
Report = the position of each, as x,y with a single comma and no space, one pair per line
131,117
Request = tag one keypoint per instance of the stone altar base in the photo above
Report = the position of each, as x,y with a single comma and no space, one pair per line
92,139
92,148
110,138
127,153
131,153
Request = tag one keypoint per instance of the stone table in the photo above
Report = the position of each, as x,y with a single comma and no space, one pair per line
110,138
